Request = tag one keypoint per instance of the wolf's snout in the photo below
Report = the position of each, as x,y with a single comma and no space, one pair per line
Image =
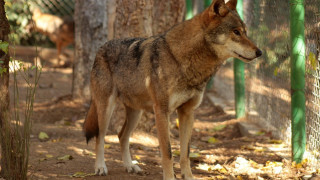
258,53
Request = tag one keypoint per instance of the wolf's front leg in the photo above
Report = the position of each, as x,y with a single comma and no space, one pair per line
162,123
185,130
100,165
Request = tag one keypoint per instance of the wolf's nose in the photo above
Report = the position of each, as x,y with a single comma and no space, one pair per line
258,53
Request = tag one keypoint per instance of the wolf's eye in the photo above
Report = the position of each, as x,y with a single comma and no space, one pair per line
236,32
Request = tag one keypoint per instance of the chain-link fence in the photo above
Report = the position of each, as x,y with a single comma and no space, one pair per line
268,88
312,20
268,79
56,7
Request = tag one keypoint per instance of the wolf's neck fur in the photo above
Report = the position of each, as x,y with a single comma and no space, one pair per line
197,60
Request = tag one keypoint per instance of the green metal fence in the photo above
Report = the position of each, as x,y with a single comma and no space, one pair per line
282,87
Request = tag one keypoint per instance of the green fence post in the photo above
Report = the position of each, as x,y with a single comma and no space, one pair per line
239,83
189,13
207,3
298,100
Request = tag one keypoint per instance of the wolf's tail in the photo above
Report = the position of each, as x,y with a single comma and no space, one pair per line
91,126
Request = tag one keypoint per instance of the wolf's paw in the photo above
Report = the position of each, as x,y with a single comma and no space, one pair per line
101,171
133,169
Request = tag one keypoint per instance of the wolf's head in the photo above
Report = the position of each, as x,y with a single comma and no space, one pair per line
225,32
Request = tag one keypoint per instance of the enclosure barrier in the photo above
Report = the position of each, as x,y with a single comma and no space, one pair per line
297,79
239,81
282,88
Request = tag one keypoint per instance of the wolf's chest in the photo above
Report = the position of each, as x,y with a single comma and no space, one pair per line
179,98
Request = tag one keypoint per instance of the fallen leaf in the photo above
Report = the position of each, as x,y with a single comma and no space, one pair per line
248,147
42,159
239,178
43,136
49,156
305,162
194,155
65,158
273,164
255,165
138,157
219,128
56,140
176,153
260,133
275,141
107,146
212,140
313,61
260,149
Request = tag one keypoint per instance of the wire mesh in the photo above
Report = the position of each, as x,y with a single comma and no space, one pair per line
55,7
268,79
312,32
268,89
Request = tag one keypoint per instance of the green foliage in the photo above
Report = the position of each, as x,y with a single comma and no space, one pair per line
4,46
20,20
18,17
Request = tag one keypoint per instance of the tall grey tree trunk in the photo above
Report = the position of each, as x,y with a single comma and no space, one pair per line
248,8
90,33
144,18
4,85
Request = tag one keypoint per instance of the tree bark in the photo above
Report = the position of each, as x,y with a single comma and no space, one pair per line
90,33
144,18
4,81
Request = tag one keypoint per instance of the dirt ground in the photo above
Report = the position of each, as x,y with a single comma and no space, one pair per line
218,151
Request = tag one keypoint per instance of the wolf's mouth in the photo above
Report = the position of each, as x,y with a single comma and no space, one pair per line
249,59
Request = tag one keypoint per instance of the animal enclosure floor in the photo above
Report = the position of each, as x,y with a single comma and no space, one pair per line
218,151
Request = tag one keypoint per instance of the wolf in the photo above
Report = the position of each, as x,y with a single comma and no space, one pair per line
163,74
59,30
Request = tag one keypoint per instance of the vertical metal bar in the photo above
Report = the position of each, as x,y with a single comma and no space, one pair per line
189,13
207,3
239,82
298,100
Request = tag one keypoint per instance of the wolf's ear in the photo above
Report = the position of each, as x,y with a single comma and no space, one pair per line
219,8
232,4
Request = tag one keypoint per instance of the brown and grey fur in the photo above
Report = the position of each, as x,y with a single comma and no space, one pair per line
163,74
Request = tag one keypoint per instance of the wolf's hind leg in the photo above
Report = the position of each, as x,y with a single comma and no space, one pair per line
105,107
132,118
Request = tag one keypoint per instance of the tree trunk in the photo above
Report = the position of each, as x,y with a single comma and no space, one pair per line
141,18
144,18
248,10
4,81
90,33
